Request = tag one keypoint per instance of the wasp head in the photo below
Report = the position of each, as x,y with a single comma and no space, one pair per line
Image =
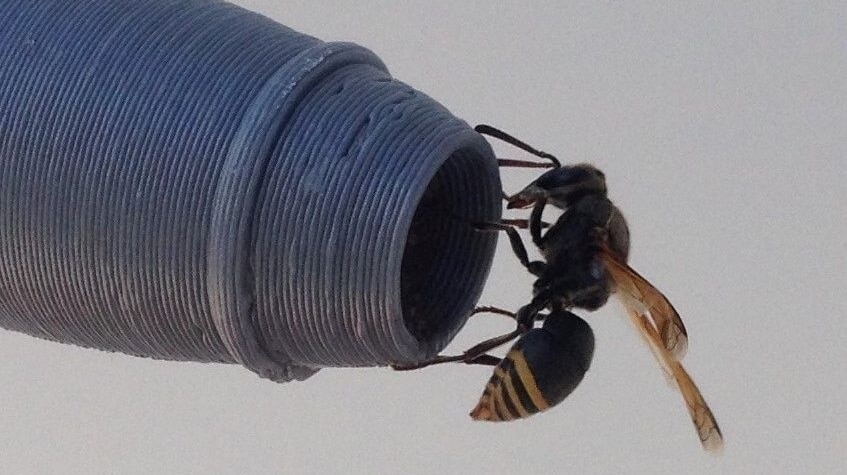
561,186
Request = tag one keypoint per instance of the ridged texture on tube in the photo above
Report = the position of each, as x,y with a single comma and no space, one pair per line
183,179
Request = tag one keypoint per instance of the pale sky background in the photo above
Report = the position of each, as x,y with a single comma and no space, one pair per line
721,129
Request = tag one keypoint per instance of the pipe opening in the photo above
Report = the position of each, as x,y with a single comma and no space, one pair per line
445,260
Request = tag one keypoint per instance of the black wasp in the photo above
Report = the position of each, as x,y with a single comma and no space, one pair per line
585,260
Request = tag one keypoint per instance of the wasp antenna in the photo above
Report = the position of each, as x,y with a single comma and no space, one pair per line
500,135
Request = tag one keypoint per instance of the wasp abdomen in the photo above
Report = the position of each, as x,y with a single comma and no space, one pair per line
543,367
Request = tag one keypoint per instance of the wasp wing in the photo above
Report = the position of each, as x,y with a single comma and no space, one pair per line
635,311
632,288
704,421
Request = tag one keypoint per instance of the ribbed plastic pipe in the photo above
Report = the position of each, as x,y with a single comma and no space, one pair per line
187,180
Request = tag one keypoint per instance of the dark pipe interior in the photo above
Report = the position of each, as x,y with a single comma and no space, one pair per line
443,256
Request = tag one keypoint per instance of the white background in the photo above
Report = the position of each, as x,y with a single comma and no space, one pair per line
721,129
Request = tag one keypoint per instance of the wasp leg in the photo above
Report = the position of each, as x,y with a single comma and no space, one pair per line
535,222
517,223
499,134
468,356
518,247
507,313
529,313
497,310
509,162
522,223
486,360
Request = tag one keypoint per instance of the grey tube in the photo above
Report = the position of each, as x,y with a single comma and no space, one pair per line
187,180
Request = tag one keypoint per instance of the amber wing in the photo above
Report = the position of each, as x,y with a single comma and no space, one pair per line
667,338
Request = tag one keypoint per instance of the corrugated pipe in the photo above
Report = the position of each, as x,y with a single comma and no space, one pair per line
187,180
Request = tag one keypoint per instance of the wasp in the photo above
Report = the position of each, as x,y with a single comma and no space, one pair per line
584,262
